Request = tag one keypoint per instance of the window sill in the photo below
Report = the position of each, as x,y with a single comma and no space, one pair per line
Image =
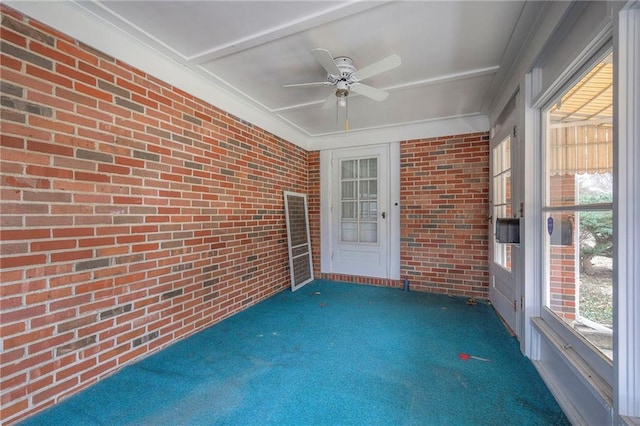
596,385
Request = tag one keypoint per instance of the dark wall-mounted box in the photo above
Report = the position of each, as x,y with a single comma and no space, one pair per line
508,230
561,232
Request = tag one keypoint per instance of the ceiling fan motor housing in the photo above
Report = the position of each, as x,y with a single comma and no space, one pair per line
345,65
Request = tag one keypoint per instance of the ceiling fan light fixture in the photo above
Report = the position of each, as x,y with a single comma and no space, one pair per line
342,94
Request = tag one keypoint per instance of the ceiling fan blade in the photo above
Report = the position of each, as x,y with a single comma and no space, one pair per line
369,92
314,84
326,60
379,67
330,102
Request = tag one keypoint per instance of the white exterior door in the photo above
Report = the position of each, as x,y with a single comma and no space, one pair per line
359,213
503,257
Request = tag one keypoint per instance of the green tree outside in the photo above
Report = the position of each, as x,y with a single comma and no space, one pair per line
596,231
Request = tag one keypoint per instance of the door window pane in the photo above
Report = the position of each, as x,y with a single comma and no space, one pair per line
364,210
369,168
359,200
349,232
348,169
349,209
373,168
373,189
349,190
364,189
369,232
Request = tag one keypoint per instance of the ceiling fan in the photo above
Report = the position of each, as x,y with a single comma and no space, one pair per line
343,74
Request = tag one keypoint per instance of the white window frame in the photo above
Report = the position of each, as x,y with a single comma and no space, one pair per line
602,365
626,250
625,380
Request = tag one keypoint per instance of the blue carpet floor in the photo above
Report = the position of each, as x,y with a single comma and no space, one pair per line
329,354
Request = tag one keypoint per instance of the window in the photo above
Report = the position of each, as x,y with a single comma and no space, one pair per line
359,200
578,206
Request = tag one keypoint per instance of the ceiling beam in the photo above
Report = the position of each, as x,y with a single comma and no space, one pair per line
302,24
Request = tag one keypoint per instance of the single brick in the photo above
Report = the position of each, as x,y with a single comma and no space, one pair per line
181,139
93,155
172,294
192,165
10,89
123,219
92,264
130,105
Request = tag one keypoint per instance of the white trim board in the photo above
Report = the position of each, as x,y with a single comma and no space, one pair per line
627,232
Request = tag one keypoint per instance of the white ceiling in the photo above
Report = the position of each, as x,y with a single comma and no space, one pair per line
454,56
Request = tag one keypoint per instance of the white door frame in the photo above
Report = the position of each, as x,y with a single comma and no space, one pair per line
392,208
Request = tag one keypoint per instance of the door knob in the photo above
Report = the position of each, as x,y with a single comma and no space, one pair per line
384,215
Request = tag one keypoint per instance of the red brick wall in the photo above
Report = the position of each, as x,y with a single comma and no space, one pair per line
444,203
444,185
133,215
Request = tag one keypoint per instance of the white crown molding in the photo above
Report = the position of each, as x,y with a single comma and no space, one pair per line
446,126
